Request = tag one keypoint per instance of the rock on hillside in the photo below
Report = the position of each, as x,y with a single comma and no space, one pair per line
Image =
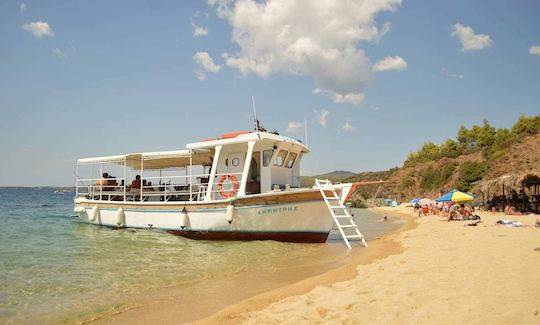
427,179
522,157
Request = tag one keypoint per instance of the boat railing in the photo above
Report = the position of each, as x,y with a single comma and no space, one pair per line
162,188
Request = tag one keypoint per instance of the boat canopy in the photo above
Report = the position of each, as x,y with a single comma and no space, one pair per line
244,137
155,160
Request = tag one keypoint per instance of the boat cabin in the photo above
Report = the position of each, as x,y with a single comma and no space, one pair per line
234,164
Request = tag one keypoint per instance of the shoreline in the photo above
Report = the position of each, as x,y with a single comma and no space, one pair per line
171,304
379,248
439,272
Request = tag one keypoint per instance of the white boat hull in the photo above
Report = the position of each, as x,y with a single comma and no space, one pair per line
305,220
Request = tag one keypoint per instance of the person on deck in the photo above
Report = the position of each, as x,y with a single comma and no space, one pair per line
136,183
111,182
102,183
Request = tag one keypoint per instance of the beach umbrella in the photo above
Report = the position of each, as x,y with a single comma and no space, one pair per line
414,201
455,196
424,202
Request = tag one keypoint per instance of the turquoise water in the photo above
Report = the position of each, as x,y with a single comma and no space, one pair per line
54,269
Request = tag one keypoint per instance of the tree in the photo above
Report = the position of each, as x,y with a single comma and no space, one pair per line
463,135
486,135
526,125
470,172
452,149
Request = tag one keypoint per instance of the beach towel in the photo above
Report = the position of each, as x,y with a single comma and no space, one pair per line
510,223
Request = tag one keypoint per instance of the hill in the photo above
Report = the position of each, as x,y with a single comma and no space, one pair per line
477,156
335,177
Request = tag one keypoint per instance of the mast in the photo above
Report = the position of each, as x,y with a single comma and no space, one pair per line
255,122
305,132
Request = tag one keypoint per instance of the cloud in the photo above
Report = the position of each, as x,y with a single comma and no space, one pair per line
199,30
352,98
38,28
447,73
348,127
469,40
23,7
322,117
390,63
206,62
534,50
294,127
200,75
315,38
59,53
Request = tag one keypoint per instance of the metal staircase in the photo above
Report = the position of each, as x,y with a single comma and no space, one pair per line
342,218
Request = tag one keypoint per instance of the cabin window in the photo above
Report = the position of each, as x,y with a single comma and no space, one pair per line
280,159
290,160
267,157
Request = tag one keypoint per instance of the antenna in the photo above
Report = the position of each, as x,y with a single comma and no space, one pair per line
254,114
305,130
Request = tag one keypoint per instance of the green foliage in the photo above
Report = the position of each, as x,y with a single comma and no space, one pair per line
485,135
407,182
452,149
526,125
433,178
470,172
358,204
484,138
429,151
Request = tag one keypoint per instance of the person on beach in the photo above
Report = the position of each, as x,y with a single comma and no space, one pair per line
513,211
416,208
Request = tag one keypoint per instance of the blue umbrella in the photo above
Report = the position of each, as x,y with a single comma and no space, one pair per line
415,200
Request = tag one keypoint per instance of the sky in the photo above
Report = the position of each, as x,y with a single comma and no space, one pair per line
373,79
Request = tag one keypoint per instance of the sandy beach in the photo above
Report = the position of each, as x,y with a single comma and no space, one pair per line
430,271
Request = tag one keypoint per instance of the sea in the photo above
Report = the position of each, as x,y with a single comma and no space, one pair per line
55,269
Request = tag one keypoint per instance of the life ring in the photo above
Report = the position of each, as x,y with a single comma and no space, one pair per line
227,193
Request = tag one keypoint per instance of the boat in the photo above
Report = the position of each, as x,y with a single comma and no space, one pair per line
238,186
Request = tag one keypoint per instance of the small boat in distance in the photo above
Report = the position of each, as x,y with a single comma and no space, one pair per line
238,186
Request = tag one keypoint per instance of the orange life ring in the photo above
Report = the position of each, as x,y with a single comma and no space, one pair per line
230,192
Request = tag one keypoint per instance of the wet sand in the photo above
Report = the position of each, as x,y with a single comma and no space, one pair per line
431,271
195,301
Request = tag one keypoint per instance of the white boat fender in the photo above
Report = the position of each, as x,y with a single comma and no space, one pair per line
95,214
120,217
79,211
230,213
183,218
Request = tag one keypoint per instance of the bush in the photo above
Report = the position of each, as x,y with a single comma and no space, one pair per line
526,125
358,204
470,172
436,178
407,182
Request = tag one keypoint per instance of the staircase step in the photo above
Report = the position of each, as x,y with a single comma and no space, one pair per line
344,216
354,236
338,207
347,226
